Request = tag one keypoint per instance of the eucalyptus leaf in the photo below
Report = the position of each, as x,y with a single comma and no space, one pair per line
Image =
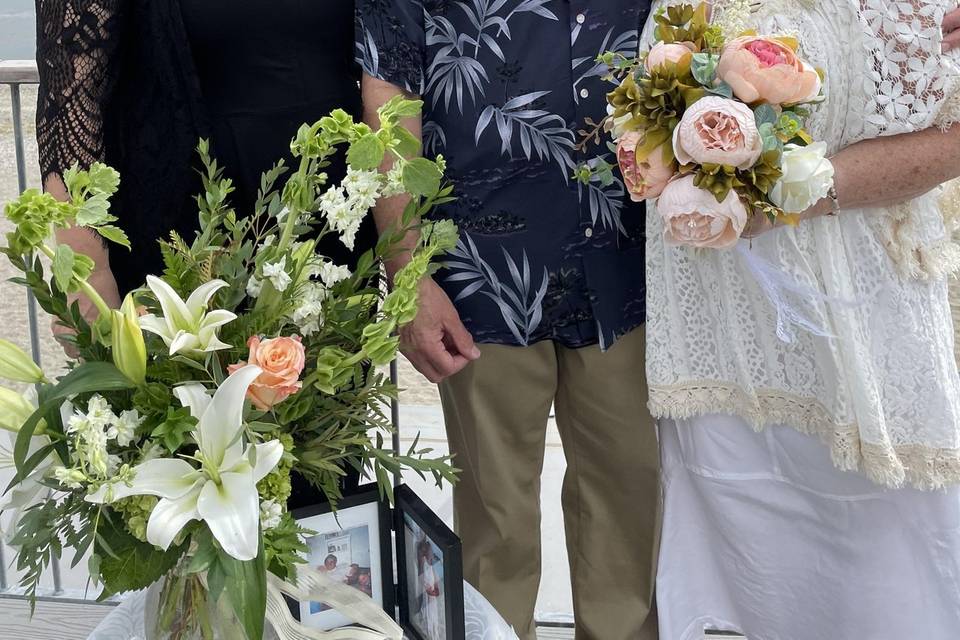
765,114
704,68
722,89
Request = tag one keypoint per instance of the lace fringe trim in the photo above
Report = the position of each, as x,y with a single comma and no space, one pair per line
919,466
915,258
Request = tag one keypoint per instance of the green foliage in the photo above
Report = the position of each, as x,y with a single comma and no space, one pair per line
175,429
285,547
127,564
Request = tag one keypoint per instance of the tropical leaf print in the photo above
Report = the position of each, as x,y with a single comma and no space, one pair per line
540,132
520,305
434,139
590,67
452,69
606,202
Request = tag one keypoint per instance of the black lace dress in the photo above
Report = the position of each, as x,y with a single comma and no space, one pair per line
136,83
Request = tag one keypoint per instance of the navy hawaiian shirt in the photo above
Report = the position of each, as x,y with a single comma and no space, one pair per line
507,83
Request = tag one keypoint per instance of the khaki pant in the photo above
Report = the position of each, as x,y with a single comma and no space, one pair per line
496,413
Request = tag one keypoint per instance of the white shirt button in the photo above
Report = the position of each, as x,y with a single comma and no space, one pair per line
588,233
581,18
584,93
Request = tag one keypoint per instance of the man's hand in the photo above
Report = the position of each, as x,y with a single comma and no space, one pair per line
436,342
951,30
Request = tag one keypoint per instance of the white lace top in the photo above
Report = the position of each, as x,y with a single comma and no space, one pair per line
883,389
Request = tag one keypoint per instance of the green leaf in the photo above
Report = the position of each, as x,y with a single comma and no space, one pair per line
130,565
63,267
94,211
704,68
723,89
114,234
366,153
247,590
765,114
404,108
421,177
408,145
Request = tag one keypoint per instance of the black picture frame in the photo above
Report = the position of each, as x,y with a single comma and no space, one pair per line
409,508
365,498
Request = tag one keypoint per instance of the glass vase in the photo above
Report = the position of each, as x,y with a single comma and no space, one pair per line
180,607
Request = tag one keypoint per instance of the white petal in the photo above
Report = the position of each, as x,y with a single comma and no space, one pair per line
221,423
232,511
194,396
184,342
175,311
158,326
217,318
170,516
162,477
198,300
267,456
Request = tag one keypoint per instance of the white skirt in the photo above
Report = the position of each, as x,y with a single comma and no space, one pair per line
763,535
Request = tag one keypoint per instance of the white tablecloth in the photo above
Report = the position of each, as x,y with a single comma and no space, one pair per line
482,621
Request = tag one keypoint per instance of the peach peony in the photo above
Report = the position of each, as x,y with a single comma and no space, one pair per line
282,360
765,70
646,179
716,130
692,217
667,52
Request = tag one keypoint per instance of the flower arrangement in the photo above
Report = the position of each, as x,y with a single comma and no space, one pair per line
170,442
710,123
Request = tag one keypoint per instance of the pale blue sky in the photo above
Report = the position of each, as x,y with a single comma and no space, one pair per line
17,29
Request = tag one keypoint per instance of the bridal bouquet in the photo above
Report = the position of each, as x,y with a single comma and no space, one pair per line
166,450
710,123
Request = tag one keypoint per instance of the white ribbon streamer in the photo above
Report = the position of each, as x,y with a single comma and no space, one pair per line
782,291
313,586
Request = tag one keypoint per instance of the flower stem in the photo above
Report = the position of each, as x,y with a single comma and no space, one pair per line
84,286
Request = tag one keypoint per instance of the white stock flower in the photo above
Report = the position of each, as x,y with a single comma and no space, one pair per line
807,177
186,326
393,182
342,215
124,428
331,273
276,274
270,514
222,492
254,287
308,314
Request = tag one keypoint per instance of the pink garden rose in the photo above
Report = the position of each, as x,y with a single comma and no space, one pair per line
716,130
766,70
282,360
667,52
644,180
692,217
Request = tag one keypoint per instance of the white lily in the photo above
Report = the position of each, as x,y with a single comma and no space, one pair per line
223,491
186,326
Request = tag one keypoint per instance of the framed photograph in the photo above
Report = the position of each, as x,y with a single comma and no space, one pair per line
352,546
429,572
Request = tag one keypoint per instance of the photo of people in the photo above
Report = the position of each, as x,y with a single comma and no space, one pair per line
345,557
348,548
425,592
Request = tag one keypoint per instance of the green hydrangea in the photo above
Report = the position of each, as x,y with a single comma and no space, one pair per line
135,511
276,484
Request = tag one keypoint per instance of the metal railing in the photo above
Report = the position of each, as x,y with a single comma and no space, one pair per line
15,74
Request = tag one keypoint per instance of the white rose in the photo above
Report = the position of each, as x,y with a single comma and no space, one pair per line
807,178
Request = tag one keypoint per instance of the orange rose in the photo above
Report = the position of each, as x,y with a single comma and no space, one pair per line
766,70
282,360
644,180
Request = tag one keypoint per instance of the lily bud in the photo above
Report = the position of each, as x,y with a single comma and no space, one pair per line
14,410
16,365
129,349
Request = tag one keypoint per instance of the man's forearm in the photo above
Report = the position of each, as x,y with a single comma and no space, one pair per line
389,211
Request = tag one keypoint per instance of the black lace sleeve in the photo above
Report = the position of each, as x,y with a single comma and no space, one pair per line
77,42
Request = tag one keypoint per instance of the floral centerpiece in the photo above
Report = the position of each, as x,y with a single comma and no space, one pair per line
709,122
169,444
